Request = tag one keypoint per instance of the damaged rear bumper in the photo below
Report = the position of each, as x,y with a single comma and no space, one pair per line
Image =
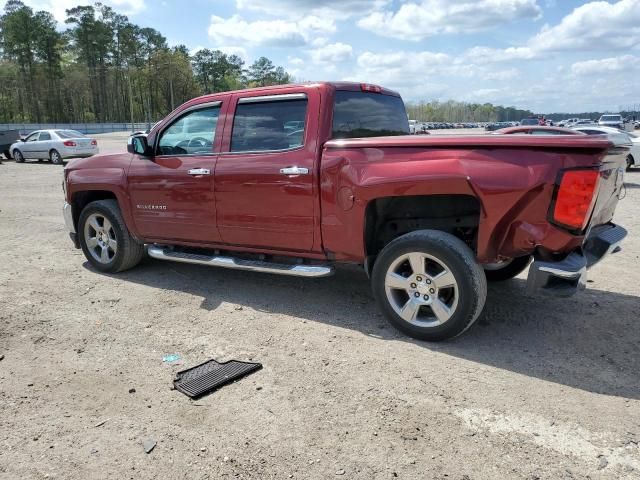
565,277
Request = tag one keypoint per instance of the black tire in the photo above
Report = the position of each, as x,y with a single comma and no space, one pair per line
460,261
630,162
18,157
510,270
55,157
129,251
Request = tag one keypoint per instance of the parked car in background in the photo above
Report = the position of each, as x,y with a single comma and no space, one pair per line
614,121
54,145
7,138
490,127
529,121
536,130
618,137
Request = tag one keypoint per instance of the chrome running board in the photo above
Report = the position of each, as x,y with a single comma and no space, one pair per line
162,253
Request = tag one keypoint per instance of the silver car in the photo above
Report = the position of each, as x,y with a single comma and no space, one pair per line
54,145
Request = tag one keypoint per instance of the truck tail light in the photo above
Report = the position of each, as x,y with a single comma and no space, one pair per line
69,143
93,142
367,87
574,197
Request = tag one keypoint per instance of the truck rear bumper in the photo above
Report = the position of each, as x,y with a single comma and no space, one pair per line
567,276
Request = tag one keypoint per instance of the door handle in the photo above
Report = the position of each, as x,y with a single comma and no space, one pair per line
199,171
294,171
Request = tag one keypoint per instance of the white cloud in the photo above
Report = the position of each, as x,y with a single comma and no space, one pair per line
322,8
402,60
491,55
501,75
594,26
623,63
416,21
275,33
332,53
58,7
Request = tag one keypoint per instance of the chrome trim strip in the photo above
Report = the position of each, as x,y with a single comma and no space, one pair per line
67,212
564,273
254,266
273,98
243,152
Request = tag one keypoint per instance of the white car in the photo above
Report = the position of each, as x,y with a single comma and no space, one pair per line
614,121
618,137
54,145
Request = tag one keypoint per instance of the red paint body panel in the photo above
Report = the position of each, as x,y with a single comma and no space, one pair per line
257,206
249,206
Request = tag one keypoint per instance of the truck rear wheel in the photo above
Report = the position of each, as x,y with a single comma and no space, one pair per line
498,272
429,285
105,239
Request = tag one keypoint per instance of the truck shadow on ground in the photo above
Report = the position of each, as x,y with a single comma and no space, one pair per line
589,341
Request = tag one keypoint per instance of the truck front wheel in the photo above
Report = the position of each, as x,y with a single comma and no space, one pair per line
105,239
429,285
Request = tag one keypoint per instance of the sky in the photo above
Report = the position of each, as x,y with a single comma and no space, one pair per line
543,55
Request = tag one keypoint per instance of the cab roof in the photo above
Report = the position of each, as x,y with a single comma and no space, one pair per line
353,86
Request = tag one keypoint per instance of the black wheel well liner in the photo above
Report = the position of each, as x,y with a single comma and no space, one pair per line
390,217
82,199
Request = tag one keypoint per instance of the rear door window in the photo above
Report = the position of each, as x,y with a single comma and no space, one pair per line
44,136
269,125
367,114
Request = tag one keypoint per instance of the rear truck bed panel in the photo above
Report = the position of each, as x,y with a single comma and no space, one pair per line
513,178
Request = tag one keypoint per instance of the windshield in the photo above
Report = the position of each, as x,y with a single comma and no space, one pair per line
366,114
529,121
69,134
610,118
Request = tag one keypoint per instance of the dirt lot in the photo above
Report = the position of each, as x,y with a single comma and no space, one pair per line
539,388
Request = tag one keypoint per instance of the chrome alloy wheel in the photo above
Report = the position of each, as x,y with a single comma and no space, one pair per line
421,289
100,238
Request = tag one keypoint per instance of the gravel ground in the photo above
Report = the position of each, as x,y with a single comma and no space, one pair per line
538,389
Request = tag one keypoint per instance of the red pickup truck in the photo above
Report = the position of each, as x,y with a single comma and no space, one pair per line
294,179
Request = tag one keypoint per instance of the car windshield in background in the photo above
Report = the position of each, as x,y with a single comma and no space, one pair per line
69,134
610,118
529,121
366,114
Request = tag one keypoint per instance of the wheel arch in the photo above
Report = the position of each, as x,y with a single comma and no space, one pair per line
81,198
388,218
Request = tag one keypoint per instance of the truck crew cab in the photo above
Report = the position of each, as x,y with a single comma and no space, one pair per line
295,179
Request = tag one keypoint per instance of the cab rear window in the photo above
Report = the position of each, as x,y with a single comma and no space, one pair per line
367,114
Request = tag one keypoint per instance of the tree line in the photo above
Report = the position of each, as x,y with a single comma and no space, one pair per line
104,68
452,111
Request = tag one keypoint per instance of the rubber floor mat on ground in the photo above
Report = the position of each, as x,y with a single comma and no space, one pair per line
211,375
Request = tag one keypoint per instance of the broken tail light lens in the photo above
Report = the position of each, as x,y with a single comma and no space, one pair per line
574,198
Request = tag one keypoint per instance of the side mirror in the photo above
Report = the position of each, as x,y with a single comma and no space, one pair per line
137,143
